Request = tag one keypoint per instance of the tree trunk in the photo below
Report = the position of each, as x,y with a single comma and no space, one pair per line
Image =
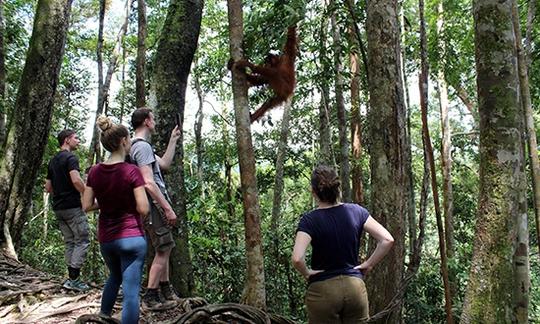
325,141
2,81
423,83
198,135
140,93
521,257
389,171
446,158
31,118
174,55
356,130
344,164
499,253
280,161
532,145
254,293
104,86
227,165
356,120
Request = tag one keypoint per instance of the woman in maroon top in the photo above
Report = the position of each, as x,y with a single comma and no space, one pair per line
119,189
336,291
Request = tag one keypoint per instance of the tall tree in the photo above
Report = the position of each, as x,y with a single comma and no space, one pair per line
389,168
105,84
344,163
525,92
197,128
2,80
140,92
326,156
254,292
172,64
32,117
446,158
356,121
426,139
494,293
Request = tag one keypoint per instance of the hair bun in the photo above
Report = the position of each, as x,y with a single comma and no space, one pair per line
104,123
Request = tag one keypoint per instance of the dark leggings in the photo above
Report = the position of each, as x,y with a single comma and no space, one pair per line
124,258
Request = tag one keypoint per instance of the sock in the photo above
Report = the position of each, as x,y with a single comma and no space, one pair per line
151,292
74,273
163,283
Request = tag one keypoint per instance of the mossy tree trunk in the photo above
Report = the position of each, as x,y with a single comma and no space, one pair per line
29,130
2,80
140,89
494,293
254,293
390,172
174,55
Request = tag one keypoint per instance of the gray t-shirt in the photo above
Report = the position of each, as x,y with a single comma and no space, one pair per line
142,153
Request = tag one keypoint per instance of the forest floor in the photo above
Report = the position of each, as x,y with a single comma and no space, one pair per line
28,295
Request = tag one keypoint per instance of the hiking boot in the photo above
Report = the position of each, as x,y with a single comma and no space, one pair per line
168,292
152,302
76,285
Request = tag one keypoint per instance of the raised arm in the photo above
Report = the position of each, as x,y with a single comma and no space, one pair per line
291,46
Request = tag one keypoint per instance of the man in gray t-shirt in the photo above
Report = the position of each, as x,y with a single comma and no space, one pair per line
162,216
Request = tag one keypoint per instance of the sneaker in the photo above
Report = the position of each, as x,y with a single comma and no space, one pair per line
76,285
154,303
67,284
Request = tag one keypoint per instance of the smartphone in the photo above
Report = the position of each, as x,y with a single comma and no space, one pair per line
177,119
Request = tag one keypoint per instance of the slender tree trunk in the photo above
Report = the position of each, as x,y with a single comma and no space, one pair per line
3,121
356,129
199,117
345,167
140,93
531,12
254,293
281,262
469,102
388,149
521,256
499,253
423,82
525,93
280,162
104,85
35,99
325,141
174,55
227,164
446,158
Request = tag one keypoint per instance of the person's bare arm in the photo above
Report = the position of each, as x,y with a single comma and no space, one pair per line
298,257
77,180
89,200
48,186
154,192
384,244
141,201
166,160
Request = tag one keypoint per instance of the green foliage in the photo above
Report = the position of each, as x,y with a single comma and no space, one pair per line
214,206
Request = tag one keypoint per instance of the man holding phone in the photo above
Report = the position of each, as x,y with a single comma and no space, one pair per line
162,216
